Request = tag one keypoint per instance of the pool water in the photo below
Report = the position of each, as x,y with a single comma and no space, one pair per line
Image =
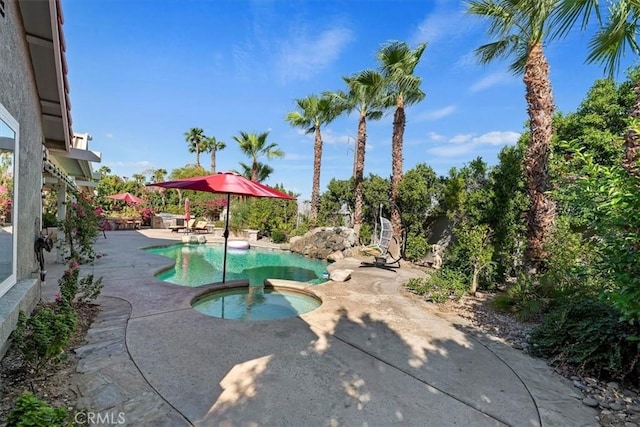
198,265
255,303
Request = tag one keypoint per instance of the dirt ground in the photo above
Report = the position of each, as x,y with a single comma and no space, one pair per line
54,384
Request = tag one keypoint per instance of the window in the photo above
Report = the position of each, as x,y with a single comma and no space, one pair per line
8,199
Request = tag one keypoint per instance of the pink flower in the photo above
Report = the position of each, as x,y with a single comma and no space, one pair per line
58,298
74,264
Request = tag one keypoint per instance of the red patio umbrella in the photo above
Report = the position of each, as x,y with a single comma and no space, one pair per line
127,197
226,183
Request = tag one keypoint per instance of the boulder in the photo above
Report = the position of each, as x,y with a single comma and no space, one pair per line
340,275
324,242
336,256
192,238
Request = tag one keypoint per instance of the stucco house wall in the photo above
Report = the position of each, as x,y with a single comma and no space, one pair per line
18,95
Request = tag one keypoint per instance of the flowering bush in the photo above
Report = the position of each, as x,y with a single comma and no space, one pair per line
145,215
213,207
81,227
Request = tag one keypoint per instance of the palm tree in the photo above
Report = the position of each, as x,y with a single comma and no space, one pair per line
195,137
520,27
264,171
365,95
139,179
255,145
158,175
212,145
104,170
607,47
313,113
398,63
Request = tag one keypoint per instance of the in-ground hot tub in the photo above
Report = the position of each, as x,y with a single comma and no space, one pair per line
251,303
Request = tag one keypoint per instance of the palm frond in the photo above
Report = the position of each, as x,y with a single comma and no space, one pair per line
608,46
569,11
498,49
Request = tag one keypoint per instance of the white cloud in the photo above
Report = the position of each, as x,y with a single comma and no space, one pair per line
434,136
139,164
329,137
295,157
108,135
467,143
302,57
451,150
461,138
498,138
447,21
437,114
491,80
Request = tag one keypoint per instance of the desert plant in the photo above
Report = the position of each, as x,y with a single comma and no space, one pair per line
31,411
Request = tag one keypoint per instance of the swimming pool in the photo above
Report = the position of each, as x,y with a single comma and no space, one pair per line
198,265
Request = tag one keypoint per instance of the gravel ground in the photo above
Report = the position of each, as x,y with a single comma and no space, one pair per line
619,406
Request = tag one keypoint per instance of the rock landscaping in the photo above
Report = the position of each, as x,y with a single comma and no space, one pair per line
328,243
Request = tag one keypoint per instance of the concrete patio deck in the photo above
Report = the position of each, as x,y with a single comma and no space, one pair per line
371,355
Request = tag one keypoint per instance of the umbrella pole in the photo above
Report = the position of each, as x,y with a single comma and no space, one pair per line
226,237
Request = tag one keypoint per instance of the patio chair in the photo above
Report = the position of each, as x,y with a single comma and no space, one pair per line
201,226
190,225
379,249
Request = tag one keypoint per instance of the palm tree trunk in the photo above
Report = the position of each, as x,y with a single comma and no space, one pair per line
399,121
631,140
197,154
315,190
359,174
213,160
254,170
542,209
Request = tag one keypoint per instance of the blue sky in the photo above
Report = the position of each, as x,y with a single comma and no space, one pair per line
143,72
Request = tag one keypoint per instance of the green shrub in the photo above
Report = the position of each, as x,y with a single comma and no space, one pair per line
366,233
89,289
416,248
440,287
83,290
41,338
589,335
571,263
526,299
417,285
278,236
49,219
31,411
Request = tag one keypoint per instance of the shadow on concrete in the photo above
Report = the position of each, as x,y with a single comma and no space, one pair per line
363,358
